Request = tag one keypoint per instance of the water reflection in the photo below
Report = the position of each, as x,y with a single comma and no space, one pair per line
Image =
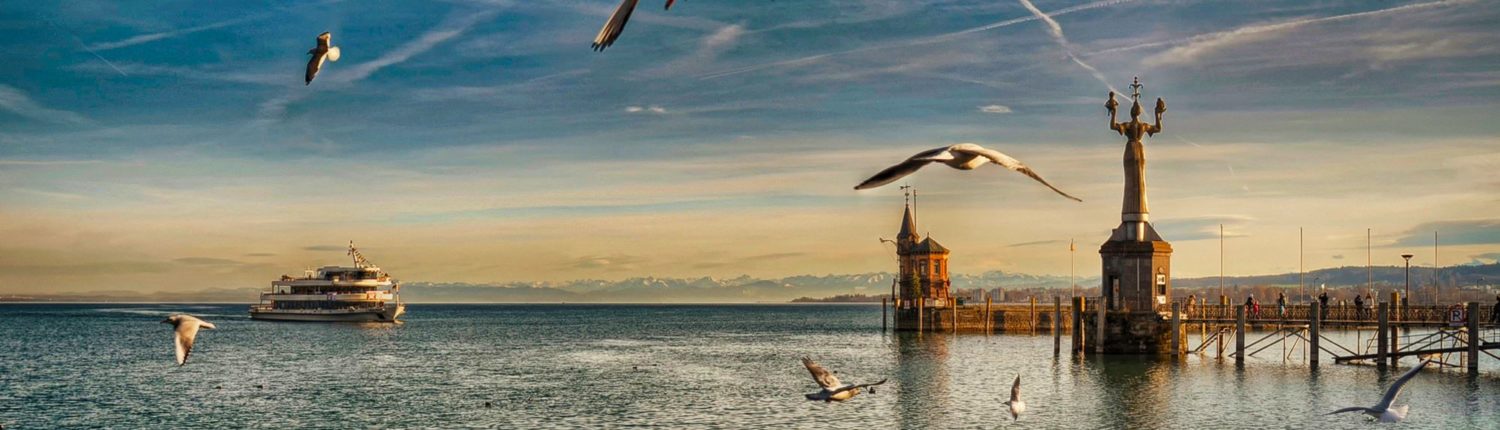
1134,392
922,375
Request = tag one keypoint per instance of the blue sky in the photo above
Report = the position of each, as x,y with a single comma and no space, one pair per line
483,141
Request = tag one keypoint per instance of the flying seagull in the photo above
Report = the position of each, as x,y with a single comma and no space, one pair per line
1016,405
1383,412
616,24
186,329
963,156
833,390
324,50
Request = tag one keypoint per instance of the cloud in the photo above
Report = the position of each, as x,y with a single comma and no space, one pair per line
741,262
646,109
260,254
17,102
1338,257
995,109
811,59
325,248
1055,30
1190,50
1203,227
151,37
1466,232
273,109
614,262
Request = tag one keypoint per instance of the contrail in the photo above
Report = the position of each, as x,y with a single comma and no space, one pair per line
1055,29
1262,28
919,41
86,48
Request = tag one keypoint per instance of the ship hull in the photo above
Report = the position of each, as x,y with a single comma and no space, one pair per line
389,314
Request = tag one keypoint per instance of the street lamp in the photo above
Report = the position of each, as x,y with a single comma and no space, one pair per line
1407,294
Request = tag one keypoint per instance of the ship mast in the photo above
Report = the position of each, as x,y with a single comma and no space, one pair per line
359,259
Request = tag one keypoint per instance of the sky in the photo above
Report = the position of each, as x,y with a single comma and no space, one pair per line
174,146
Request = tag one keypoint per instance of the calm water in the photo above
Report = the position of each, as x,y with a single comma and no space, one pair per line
624,365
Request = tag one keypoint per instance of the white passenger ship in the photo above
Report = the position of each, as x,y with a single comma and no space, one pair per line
362,293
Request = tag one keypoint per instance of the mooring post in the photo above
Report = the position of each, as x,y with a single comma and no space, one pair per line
989,319
882,314
1056,325
1033,314
1381,338
1317,320
921,318
953,305
1176,330
1474,340
1239,333
1077,324
1099,326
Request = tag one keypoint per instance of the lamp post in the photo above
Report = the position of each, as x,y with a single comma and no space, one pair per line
1407,294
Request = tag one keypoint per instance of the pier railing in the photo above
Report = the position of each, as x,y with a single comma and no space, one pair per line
1426,314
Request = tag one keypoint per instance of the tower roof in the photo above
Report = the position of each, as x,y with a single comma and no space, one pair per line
929,246
908,225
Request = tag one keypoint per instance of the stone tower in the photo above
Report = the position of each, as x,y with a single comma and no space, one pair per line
923,277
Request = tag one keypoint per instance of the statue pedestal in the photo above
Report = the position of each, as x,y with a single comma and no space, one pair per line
1132,333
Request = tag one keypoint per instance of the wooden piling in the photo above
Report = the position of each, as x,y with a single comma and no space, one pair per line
882,314
989,318
1317,320
1099,326
1176,329
1056,325
1078,324
1382,324
1239,333
1474,340
921,318
953,305
1033,315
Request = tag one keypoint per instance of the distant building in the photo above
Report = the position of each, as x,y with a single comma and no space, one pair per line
924,266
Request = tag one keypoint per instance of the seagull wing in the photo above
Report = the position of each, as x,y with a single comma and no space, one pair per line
614,26
823,376
187,330
851,387
324,41
669,5
1353,409
315,64
1015,390
1395,390
1007,162
911,165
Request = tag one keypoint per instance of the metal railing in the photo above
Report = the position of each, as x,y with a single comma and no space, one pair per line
1438,314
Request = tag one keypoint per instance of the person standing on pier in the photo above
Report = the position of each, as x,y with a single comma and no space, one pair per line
1359,307
1281,305
1495,313
1188,308
1323,303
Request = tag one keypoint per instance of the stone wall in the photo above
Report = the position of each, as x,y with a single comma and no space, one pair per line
1007,318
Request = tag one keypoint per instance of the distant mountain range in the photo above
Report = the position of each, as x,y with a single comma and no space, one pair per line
747,289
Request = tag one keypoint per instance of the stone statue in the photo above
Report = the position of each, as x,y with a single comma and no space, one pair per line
1135,209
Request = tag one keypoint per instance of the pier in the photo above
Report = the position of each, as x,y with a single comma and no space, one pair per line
1453,335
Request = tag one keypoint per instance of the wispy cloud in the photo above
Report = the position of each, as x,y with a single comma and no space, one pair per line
1463,232
152,37
811,59
1037,242
995,109
1190,50
1055,30
613,262
646,109
273,109
18,102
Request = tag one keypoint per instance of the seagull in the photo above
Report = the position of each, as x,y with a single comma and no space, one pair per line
963,156
324,50
833,390
1383,412
616,24
187,328
1016,405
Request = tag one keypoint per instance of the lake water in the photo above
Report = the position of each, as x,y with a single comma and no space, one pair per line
682,366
